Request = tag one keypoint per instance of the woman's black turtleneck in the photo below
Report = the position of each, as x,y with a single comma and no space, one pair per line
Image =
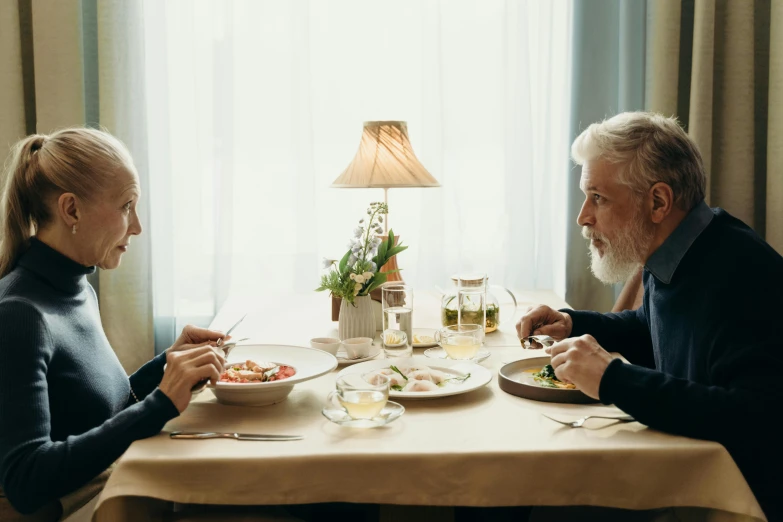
66,411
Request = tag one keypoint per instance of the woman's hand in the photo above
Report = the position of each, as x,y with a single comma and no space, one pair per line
187,366
194,335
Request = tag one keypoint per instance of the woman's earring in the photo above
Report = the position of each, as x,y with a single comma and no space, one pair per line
73,230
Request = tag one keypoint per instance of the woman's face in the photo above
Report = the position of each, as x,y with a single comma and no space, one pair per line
108,222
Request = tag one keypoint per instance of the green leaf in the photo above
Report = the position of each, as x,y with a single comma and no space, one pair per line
391,238
377,280
381,254
395,369
344,261
396,387
396,250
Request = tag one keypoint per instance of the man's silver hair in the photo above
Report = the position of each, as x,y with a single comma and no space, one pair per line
651,148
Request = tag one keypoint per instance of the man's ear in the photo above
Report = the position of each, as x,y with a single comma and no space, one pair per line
661,197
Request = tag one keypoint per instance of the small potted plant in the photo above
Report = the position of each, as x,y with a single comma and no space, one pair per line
358,273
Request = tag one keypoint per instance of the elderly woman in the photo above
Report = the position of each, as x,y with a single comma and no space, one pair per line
67,408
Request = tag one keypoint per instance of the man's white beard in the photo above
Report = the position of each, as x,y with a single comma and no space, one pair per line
624,255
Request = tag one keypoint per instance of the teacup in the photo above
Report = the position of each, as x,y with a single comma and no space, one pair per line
359,398
460,342
327,344
358,347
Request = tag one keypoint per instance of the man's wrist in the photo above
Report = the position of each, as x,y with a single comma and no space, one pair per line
569,323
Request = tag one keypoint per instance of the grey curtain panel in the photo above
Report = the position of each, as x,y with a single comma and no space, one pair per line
607,77
718,66
77,62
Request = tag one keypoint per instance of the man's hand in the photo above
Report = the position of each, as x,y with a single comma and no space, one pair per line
194,335
582,361
542,320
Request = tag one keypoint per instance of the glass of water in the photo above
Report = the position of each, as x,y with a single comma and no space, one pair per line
397,335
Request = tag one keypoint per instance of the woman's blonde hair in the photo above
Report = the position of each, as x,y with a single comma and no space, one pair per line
77,160
652,148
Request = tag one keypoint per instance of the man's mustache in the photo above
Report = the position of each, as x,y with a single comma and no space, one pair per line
589,233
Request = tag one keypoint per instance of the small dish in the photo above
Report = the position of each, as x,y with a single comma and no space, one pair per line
425,336
357,347
391,412
327,344
440,353
344,360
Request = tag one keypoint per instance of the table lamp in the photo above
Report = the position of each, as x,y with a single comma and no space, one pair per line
385,159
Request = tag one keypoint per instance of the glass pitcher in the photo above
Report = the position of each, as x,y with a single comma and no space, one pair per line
478,306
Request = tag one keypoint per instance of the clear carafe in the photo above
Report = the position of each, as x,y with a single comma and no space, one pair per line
480,304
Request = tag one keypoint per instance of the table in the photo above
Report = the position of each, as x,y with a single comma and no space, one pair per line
484,448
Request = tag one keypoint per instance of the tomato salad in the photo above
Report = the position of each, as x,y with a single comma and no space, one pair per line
253,372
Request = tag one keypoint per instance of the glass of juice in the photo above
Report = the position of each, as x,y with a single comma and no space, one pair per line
360,398
460,342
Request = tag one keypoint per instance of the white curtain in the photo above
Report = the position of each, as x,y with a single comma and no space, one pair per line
255,107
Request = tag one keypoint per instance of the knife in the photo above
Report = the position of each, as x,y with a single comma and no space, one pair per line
196,435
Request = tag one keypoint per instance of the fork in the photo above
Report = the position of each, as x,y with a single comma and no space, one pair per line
544,340
580,422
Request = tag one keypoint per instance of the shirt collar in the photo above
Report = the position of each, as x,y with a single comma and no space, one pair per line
60,271
664,261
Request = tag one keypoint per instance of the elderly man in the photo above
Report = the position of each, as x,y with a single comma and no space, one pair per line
706,346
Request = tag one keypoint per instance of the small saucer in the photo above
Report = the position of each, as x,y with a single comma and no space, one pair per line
342,360
391,412
426,337
440,353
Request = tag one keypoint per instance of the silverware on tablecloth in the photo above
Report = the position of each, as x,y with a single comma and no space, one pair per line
580,422
198,435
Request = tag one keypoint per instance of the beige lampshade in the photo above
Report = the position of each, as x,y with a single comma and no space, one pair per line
385,160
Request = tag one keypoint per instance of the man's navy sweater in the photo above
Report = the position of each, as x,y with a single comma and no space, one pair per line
707,345
66,412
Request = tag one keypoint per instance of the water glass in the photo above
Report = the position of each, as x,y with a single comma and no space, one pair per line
397,306
360,396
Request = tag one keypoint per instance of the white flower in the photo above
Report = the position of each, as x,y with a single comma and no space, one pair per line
380,219
361,221
359,279
328,262
358,231
357,289
352,277
367,275
351,260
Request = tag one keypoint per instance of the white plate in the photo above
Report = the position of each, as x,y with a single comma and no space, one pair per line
391,412
342,360
440,353
309,363
430,332
479,376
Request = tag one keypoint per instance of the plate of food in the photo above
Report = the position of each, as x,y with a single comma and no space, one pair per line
535,379
424,338
263,374
419,377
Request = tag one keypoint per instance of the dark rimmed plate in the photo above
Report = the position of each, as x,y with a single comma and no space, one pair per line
513,379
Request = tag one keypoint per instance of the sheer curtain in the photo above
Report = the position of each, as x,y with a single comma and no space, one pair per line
254,108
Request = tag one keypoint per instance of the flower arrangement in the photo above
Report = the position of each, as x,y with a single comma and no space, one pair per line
356,274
